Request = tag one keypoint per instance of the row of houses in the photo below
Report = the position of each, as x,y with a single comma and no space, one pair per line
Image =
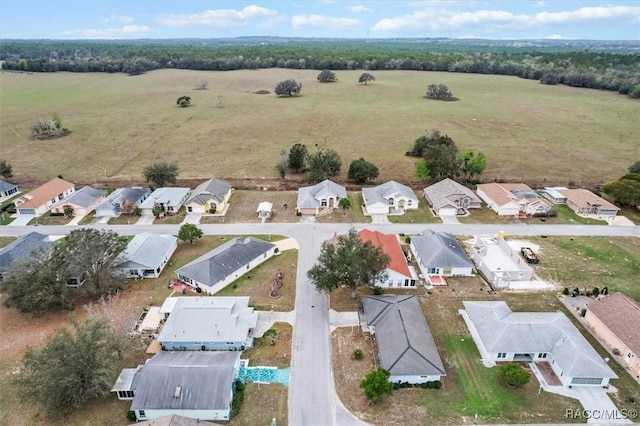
450,198
58,195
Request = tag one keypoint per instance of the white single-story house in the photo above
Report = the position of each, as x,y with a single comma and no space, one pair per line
211,196
439,253
41,199
389,198
316,199
513,199
583,201
406,348
399,272
264,210
198,385
498,262
122,200
207,323
7,190
543,339
22,250
449,198
615,319
146,255
82,201
221,266
170,200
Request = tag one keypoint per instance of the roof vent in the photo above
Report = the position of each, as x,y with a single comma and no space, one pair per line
177,392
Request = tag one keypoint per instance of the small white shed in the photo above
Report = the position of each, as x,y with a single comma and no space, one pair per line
264,210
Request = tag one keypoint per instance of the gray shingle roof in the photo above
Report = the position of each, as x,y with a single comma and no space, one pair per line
204,379
169,196
213,188
209,319
120,195
217,264
145,250
5,186
83,197
438,192
310,196
382,193
22,249
439,249
502,330
404,340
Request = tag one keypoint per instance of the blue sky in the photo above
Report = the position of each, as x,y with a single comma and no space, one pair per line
515,19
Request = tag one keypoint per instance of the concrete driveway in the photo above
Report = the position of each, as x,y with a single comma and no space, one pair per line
146,220
450,219
20,220
379,218
598,407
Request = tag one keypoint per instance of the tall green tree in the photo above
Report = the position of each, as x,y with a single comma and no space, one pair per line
473,164
634,168
365,77
160,174
72,368
438,91
443,160
376,385
322,164
626,190
327,76
297,157
348,263
37,286
344,203
190,232
6,171
361,171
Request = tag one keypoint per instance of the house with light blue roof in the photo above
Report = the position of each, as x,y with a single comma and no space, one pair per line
122,200
23,250
7,190
146,255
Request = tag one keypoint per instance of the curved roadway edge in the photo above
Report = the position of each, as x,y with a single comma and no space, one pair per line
312,397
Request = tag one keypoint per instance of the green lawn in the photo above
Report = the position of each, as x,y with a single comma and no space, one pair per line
352,215
48,219
588,262
5,219
123,219
421,215
88,219
5,241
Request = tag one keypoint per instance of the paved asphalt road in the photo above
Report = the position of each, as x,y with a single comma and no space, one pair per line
312,400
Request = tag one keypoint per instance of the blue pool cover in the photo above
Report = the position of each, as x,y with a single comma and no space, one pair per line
264,375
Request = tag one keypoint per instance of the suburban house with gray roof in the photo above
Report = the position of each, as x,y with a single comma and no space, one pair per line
206,323
211,196
169,199
198,385
22,250
221,266
122,200
7,190
439,253
449,198
146,255
83,201
320,198
406,348
557,351
389,198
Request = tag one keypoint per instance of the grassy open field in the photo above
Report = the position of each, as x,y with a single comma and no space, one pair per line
545,134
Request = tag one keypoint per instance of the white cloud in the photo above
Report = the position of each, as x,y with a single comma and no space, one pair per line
218,18
272,22
540,4
359,8
127,31
319,21
440,19
556,37
118,18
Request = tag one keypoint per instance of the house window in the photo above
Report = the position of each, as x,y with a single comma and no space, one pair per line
390,201
409,202
53,200
432,270
629,354
542,355
502,355
323,203
141,413
247,267
169,208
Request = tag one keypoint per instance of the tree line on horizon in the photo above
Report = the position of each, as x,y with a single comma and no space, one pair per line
581,68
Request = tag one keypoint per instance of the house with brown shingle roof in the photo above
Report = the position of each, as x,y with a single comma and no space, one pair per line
512,199
583,201
399,273
615,319
40,200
